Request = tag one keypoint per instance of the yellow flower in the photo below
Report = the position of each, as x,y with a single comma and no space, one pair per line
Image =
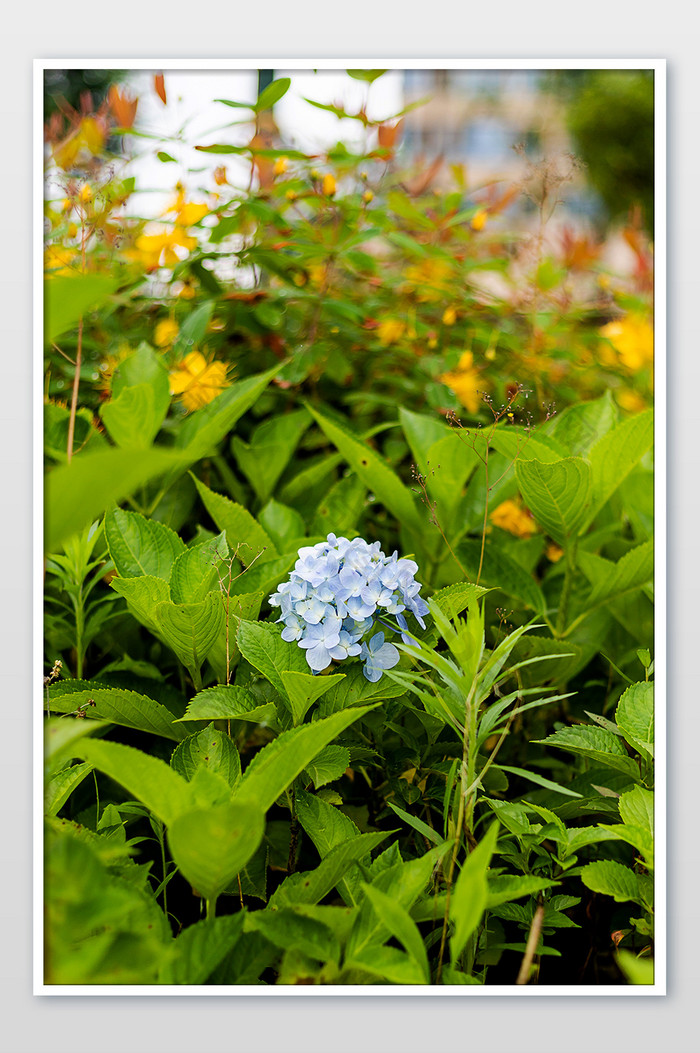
197,381
633,339
165,332
630,400
85,194
59,261
449,316
553,552
158,250
280,166
328,185
430,279
478,220
81,145
291,195
367,196
511,517
390,330
463,382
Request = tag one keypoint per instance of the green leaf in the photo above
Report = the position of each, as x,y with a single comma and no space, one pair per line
356,690
506,888
612,879
444,459
272,94
303,689
635,716
330,828
139,546
265,576
637,808
520,444
196,571
374,473
61,735
454,599
502,572
611,580
401,925
539,780
191,629
126,708
68,298
276,766
204,429
262,645
282,523
367,75
328,765
229,703
312,886
200,949
142,596
210,749
294,932
596,744
557,494
132,418
417,824
387,963
79,492
211,845
149,779
244,534
579,427
614,456
470,893
61,785
637,970
272,446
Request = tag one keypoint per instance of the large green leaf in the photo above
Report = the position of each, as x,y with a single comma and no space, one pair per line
191,629
270,450
612,580
262,645
303,689
557,493
612,879
329,829
142,596
138,545
374,473
276,766
635,716
597,744
200,948
229,703
293,932
204,429
401,925
68,297
500,571
126,708
212,845
614,456
243,533
195,573
147,778
312,886
579,427
133,419
61,784
79,492
470,893
210,749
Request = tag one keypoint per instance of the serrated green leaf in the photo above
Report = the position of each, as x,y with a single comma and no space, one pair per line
328,765
210,749
312,886
139,546
612,580
142,595
229,703
329,828
262,645
134,417
60,786
196,571
273,444
303,689
191,629
244,534
454,599
612,879
557,493
401,925
635,716
126,708
200,948
597,744
284,928
506,888
579,427
614,456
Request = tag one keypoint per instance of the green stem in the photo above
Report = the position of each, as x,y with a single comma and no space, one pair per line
211,909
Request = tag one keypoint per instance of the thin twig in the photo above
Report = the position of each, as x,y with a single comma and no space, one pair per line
531,945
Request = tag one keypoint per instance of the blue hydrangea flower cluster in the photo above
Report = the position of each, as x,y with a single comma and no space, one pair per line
334,597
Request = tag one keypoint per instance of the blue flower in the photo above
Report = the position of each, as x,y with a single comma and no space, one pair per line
378,657
335,596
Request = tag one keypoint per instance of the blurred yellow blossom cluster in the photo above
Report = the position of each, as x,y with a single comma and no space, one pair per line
463,381
196,382
512,517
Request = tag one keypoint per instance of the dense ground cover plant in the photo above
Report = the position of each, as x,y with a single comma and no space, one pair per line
349,554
